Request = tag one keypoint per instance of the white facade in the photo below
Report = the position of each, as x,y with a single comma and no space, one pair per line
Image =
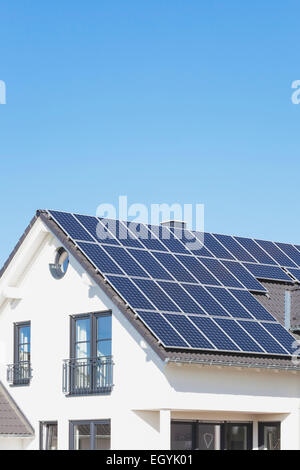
148,393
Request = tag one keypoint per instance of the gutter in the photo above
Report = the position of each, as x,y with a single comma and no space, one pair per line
206,362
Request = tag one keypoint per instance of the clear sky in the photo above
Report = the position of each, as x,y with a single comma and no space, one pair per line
169,101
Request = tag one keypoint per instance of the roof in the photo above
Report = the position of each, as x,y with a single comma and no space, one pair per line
12,421
274,301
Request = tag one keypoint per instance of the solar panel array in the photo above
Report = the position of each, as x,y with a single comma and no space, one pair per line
191,290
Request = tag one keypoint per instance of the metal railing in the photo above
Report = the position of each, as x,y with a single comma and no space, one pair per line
88,375
19,373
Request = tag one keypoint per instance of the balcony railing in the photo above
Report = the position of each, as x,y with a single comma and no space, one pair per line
88,376
19,373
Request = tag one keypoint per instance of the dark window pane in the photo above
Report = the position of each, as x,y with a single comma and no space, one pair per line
182,436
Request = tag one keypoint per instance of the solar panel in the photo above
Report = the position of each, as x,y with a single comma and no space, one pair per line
239,336
99,258
295,272
205,300
255,250
71,226
149,263
282,335
220,272
168,239
147,238
198,270
188,331
290,251
156,295
191,242
174,266
276,253
182,299
262,337
273,273
214,333
214,246
125,236
97,229
162,280
243,275
130,293
252,305
235,248
125,261
229,302
162,330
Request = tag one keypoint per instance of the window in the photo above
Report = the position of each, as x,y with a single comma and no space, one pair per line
19,373
90,435
269,436
197,435
48,435
89,369
61,262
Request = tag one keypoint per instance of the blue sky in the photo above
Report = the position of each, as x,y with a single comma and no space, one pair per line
161,100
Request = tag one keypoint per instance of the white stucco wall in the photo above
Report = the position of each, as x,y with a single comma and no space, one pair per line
143,383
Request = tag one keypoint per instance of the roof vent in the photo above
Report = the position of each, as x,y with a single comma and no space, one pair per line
174,224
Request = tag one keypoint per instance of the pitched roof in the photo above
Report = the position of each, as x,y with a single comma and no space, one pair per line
12,421
173,354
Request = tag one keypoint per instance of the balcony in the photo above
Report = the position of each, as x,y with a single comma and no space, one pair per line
19,373
88,376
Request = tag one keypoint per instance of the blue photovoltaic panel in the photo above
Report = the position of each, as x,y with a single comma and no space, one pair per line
173,266
295,272
71,226
146,237
125,236
255,250
150,264
99,258
290,251
235,248
191,242
243,275
97,229
182,324
229,302
274,273
252,305
168,239
205,300
214,333
156,295
130,293
262,337
276,253
221,273
125,261
182,299
282,335
161,328
214,246
198,270
238,335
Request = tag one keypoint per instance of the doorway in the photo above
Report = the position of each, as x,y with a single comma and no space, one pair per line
197,435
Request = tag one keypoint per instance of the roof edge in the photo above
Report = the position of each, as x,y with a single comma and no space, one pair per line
20,414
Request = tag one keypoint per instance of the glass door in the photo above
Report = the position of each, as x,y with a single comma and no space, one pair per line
237,436
208,436
269,436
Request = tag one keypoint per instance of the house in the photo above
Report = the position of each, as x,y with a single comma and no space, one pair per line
125,336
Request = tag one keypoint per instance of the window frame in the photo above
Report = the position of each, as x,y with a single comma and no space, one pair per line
261,425
92,423
92,316
42,425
